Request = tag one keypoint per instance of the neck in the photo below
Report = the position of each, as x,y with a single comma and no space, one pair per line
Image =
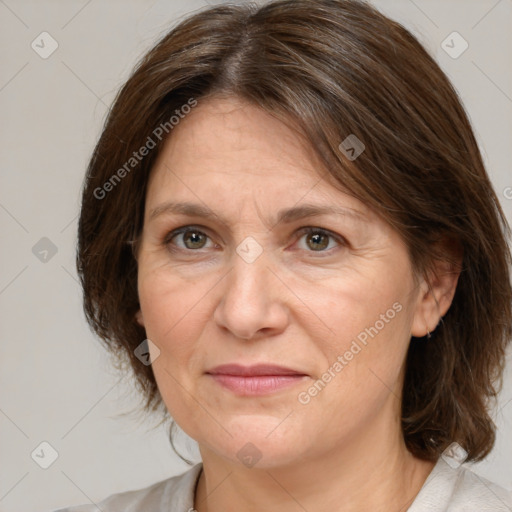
370,472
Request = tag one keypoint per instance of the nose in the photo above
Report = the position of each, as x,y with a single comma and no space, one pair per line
253,301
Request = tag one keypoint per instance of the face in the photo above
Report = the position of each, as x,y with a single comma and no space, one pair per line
286,270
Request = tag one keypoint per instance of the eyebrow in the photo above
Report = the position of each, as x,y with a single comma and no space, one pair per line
285,216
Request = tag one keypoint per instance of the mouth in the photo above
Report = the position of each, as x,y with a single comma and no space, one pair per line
255,380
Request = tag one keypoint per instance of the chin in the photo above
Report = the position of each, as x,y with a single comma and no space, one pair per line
256,443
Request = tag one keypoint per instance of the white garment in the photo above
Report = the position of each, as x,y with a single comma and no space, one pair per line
446,489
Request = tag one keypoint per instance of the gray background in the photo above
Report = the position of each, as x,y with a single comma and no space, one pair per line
56,383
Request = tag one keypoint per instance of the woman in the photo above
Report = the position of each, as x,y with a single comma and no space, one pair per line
288,229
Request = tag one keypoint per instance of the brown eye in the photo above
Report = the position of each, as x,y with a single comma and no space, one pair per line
187,239
317,241
320,240
194,239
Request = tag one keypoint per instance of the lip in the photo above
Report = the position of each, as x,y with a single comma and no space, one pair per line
256,370
255,380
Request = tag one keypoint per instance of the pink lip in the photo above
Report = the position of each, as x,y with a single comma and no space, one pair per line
255,380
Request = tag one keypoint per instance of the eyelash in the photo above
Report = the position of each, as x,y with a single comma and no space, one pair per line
301,232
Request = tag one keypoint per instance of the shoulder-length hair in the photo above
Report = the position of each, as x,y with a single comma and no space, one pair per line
330,68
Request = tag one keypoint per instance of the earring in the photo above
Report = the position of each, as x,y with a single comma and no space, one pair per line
428,335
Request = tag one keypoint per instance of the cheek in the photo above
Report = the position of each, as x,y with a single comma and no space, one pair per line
172,309
360,305
369,321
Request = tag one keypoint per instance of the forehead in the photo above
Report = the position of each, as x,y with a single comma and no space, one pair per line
227,147
235,135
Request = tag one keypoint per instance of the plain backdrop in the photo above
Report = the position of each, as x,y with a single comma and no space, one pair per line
56,382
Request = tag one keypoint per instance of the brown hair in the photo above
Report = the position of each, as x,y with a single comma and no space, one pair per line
332,68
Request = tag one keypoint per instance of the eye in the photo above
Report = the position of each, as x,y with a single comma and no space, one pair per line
318,240
191,237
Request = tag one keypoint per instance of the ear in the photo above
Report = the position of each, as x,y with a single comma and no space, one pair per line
437,291
140,318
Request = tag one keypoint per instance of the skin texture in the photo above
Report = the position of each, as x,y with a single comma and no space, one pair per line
295,305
